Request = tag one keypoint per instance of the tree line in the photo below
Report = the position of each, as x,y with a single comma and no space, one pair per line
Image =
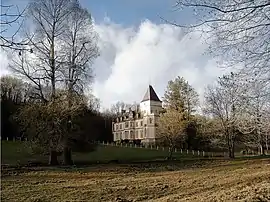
234,115
24,117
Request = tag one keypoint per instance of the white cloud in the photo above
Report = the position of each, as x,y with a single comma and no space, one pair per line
3,63
131,58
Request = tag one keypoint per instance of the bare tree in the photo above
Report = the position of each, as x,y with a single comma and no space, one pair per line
254,121
12,17
80,48
12,89
171,129
79,45
224,104
43,68
237,31
117,108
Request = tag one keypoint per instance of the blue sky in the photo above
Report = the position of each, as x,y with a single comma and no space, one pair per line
138,48
127,12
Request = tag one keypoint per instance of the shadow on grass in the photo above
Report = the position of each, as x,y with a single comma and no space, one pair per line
158,165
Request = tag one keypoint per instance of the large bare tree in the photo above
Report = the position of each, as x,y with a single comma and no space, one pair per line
254,121
237,31
79,45
223,102
64,47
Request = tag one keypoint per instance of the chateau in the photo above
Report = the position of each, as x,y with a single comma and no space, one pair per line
139,124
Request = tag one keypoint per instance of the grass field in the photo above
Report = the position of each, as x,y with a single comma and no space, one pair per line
191,179
15,153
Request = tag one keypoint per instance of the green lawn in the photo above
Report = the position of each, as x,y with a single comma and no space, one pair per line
16,153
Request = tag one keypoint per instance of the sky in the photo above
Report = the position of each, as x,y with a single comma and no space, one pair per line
138,48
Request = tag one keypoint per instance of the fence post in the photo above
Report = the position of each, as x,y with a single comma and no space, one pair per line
198,153
187,151
203,153
7,138
175,150
181,151
192,152
212,154
151,146
135,146
103,142
157,147
163,148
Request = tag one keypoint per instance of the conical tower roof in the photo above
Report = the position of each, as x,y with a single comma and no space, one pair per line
150,95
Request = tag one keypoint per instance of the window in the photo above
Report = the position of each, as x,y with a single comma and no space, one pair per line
117,127
141,123
141,133
150,120
120,126
126,135
136,133
131,124
132,135
126,124
137,124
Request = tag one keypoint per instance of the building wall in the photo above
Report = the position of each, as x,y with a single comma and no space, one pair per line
150,107
143,129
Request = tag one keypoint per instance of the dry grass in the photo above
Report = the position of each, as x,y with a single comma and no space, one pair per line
242,180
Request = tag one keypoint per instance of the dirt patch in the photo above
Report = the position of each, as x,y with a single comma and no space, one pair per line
220,181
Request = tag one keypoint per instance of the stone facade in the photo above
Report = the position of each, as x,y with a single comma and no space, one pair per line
139,124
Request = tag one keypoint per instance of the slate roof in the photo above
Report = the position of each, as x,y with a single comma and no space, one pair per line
150,95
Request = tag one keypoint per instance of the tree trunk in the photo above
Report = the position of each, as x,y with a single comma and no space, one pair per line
262,146
53,158
170,153
232,149
67,149
230,144
67,156
266,143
